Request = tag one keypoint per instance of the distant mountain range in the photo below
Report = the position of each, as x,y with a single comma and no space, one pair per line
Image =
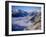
21,13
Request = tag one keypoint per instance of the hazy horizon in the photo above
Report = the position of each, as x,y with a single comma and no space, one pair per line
26,8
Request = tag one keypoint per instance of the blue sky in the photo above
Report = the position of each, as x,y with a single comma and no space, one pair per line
27,8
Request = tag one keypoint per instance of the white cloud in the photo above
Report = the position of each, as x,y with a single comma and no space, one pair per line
22,22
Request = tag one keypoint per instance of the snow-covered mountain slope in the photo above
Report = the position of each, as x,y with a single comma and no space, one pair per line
25,19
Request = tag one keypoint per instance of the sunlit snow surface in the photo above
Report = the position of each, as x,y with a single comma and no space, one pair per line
22,18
